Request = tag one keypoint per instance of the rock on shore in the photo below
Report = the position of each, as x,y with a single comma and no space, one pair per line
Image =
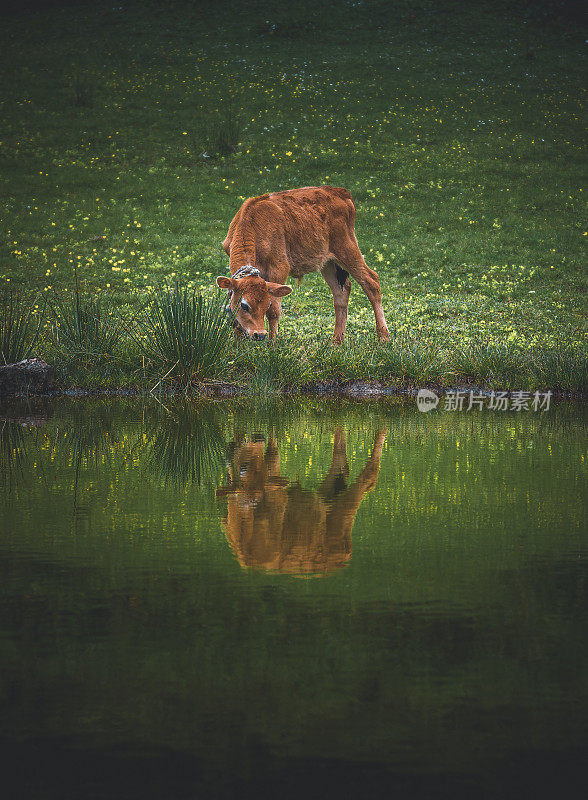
31,376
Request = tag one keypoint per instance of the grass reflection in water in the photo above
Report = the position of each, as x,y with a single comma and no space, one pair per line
186,445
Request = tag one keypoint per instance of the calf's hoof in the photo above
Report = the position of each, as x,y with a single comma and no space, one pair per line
383,335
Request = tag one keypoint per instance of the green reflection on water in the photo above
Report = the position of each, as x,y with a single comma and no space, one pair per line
151,559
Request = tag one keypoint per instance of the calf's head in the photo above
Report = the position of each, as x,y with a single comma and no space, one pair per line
249,301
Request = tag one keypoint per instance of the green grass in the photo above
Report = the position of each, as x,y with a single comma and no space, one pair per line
18,333
183,335
81,329
463,154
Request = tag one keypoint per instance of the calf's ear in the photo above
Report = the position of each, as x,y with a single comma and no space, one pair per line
224,283
278,289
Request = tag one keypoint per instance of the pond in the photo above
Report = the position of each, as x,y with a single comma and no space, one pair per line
292,599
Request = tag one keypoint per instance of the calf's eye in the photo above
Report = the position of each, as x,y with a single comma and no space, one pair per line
245,307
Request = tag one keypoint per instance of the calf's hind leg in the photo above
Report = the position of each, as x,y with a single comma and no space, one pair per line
349,256
341,287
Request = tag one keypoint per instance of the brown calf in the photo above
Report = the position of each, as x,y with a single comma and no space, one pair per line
291,234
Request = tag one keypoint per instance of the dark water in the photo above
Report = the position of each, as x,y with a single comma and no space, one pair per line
292,601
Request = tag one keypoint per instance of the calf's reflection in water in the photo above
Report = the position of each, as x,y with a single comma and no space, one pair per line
273,523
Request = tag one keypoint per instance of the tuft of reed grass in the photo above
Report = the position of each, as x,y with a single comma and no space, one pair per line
18,335
184,335
220,135
82,329
81,92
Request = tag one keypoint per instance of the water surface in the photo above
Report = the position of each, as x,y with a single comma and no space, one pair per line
292,600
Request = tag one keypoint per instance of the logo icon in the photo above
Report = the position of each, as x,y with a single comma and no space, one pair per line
427,400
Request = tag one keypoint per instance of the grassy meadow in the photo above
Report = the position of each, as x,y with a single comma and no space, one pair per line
130,134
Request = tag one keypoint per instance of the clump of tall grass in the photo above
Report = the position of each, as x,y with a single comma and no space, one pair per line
18,334
81,92
220,135
184,335
83,329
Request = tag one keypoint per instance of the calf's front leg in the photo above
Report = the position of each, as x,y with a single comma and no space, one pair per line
273,315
